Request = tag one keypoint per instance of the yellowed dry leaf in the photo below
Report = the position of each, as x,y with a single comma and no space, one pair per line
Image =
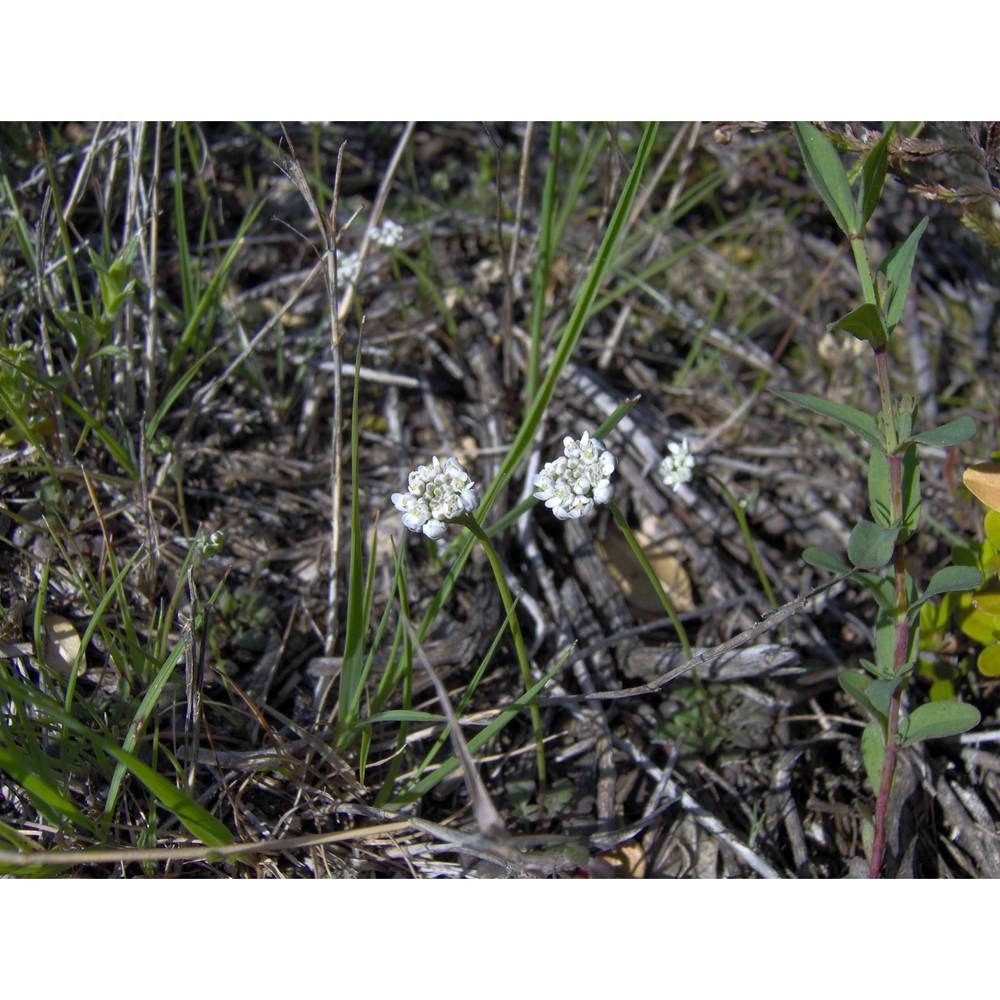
627,860
62,644
628,573
983,481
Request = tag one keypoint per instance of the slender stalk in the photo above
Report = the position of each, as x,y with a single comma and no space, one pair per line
515,630
741,519
892,733
902,644
654,580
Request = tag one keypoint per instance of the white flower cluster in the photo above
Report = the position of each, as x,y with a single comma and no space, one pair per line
437,493
572,484
388,234
678,467
348,265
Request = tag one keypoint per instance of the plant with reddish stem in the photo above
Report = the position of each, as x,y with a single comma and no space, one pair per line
876,548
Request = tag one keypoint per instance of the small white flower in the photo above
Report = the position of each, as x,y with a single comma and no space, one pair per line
580,478
678,467
437,493
388,234
348,265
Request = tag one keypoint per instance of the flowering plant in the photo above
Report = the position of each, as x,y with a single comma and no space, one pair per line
437,493
445,493
578,479
678,466
388,234
348,265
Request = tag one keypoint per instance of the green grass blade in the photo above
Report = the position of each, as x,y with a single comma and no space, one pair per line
91,424
208,299
171,397
463,702
142,714
198,821
423,786
21,228
95,620
352,666
67,243
540,278
46,797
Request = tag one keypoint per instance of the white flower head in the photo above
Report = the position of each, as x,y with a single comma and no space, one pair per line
348,265
437,493
580,478
677,467
388,234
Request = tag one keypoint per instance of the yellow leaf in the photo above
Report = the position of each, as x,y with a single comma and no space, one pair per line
628,573
989,661
983,481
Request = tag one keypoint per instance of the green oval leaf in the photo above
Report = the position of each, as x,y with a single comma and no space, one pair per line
910,475
865,323
856,685
953,578
873,753
870,545
870,693
871,667
991,525
949,434
939,719
880,693
879,488
883,589
821,559
975,622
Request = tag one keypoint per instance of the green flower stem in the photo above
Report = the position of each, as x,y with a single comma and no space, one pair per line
741,518
511,516
654,580
467,521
